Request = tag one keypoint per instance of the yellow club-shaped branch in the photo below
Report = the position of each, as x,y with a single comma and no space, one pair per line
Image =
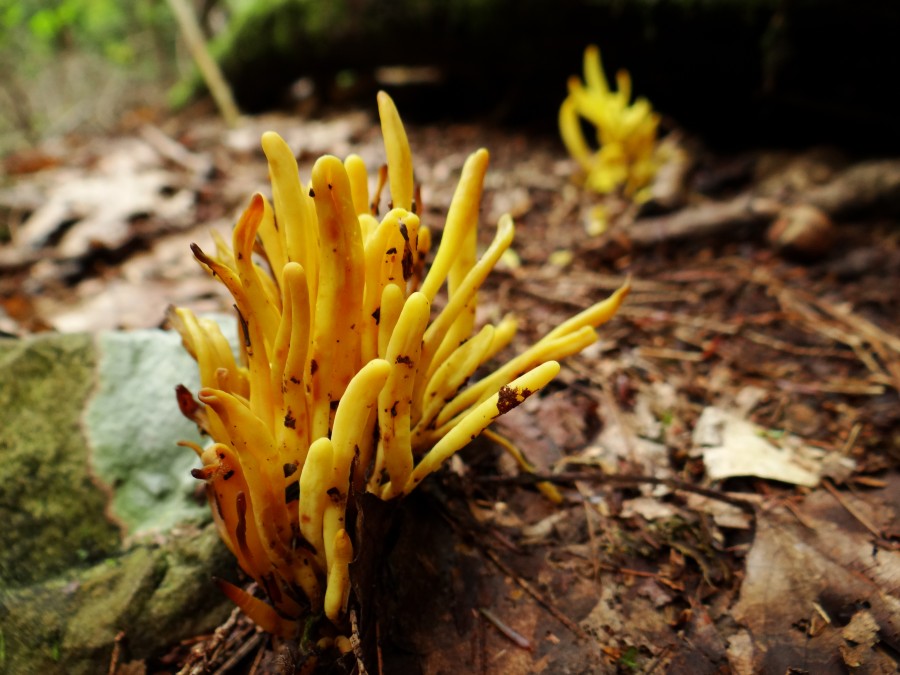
625,156
346,380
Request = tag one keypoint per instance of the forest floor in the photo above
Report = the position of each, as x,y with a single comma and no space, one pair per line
727,452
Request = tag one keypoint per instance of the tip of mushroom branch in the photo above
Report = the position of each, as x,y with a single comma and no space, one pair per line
207,395
380,368
256,203
384,98
271,140
200,255
324,173
506,226
293,269
262,614
172,317
343,547
550,367
193,446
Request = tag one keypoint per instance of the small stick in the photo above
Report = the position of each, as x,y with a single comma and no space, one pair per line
517,638
626,479
534,593
852,510
210,70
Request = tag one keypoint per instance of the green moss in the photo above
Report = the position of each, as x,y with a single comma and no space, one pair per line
52,512
155,595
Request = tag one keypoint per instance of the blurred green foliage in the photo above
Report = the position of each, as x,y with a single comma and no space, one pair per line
108,28
67,64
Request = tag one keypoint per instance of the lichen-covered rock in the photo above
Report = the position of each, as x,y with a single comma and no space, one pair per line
102,531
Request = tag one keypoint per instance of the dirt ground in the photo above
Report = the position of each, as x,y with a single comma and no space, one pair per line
727,452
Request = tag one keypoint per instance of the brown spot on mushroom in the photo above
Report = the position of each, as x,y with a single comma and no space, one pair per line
313,367
271,587
240,531
289,469
289,420
245,327
292,492
509,398
404,359
216,500
407,263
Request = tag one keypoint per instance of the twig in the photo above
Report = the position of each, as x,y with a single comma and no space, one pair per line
620,480
707,219
240,653
116,653
852,510
784,346
212,75
536,595
356,643
670,354
513,635
861,187
631,311
174,151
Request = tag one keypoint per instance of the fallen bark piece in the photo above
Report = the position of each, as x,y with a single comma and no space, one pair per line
707,219
863,187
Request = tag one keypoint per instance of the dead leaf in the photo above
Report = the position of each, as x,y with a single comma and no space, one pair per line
733,446
832,566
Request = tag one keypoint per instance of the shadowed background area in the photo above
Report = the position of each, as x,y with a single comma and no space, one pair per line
744,72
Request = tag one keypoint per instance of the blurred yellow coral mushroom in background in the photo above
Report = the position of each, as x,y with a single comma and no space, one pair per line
626,132
346,381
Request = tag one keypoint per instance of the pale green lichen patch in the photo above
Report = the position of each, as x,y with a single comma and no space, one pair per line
133,424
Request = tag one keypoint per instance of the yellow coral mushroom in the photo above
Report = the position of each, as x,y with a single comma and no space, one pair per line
626,132
347,381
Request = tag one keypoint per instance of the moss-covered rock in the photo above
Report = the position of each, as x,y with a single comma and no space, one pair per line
53,512
155,595
102,530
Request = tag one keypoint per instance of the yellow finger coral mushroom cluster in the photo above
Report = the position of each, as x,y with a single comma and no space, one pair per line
347,381
626,132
